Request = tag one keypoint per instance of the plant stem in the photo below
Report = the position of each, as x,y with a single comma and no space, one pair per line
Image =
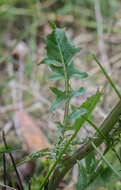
66,89
65,119
67,98
59,157
107,76
85,149
78,126
96,128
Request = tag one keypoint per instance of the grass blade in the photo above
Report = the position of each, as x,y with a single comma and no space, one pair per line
4,169
107,76
13,162
106,161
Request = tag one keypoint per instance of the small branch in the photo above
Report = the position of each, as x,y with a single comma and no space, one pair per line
85,149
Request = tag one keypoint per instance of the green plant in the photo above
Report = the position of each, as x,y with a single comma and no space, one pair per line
63,155
59,57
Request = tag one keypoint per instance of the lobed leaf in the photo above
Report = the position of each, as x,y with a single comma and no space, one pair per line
61,96
58,46
71,72
55,77
60,129
78,92
76,113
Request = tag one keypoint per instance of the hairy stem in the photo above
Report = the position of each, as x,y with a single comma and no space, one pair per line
66,89
67,98
85,149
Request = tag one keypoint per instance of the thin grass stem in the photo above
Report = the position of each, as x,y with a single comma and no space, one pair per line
106,161
13,162
107,76
4,170
104,137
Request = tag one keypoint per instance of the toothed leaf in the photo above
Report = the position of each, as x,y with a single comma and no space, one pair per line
76,113
61,96
60,128
71,72
78,92
55,77
58,47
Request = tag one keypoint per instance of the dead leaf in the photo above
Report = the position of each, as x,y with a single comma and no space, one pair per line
33,136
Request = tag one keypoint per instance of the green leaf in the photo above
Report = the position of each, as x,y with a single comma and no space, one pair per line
90,163
57,69
106,175
107,162
71,71
59,72
82,180
89,104
9,149
58,47
77,92
60,128
61,96
53,26
76,113
55,77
